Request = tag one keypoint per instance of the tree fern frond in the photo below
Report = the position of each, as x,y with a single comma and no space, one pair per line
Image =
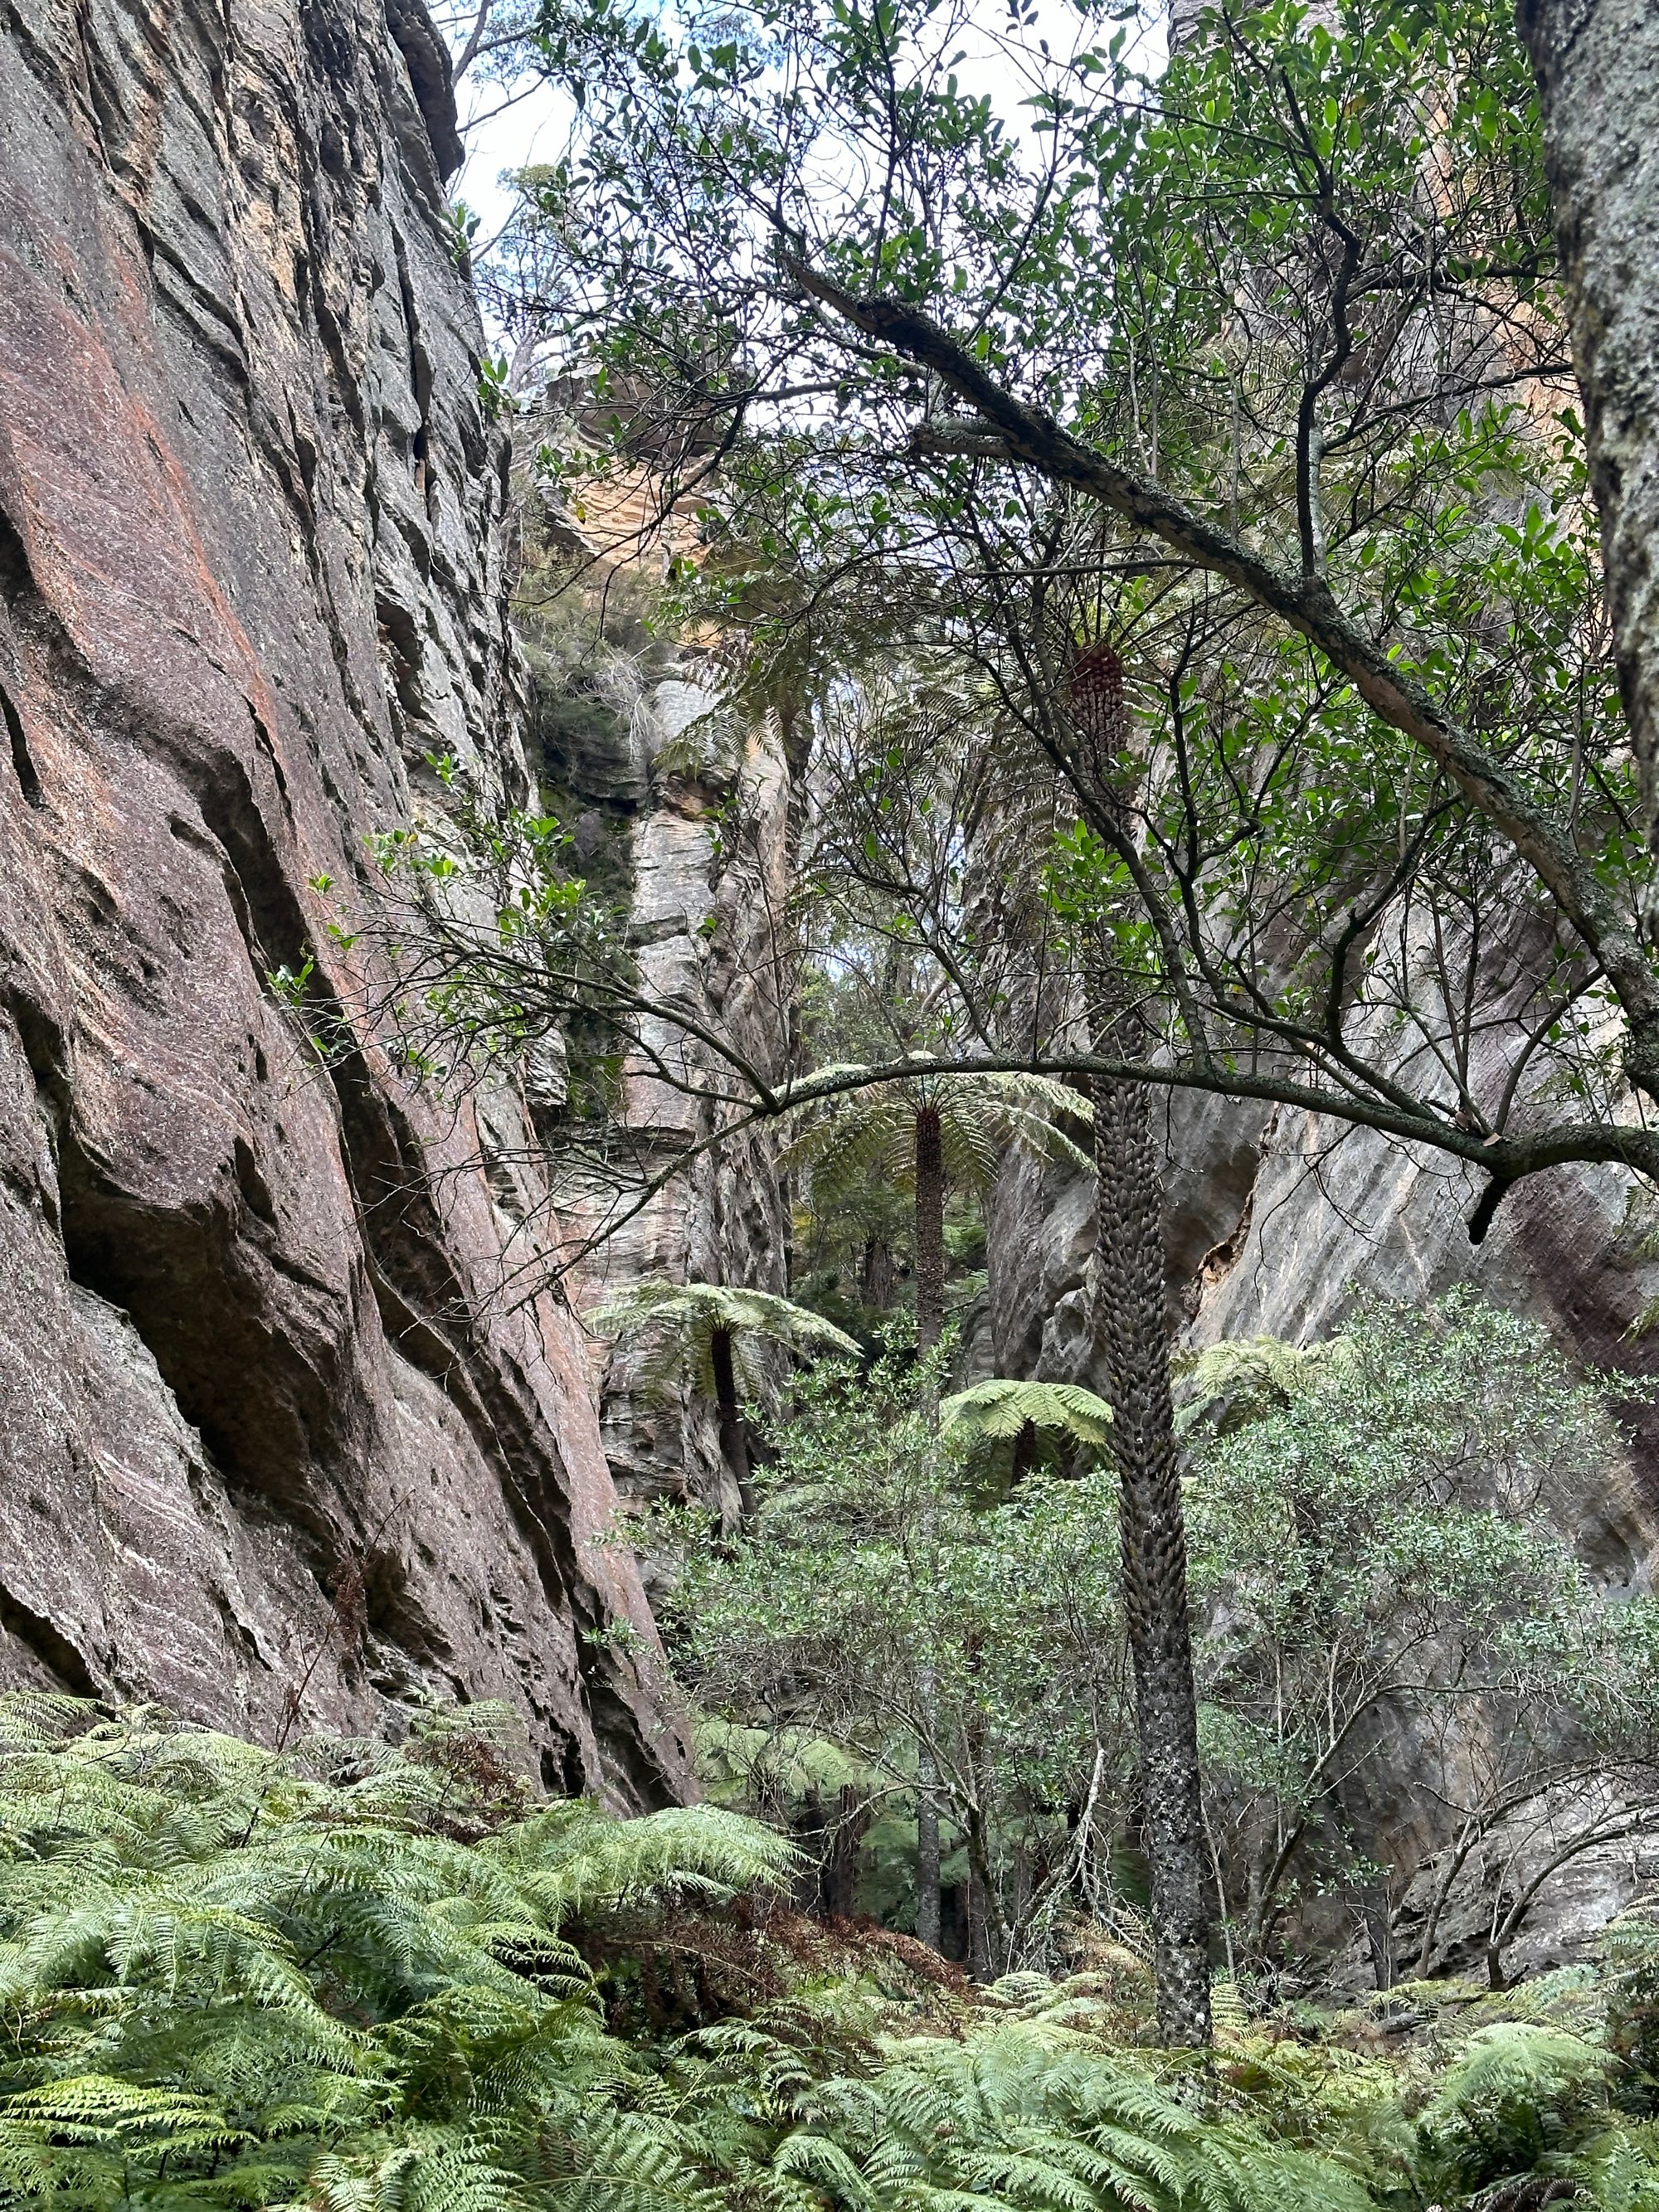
1509,2060
686,1317
1001,1407
572,1856
982,1115
1253,1378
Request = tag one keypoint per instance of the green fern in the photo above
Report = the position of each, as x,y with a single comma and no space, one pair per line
1031,2114
1618,2171
235,1978
690,1319
1247,1379
1509,2107
347,1979
848,1138
998,1409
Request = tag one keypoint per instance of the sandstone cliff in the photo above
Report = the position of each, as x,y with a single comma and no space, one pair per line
266,1437
682,811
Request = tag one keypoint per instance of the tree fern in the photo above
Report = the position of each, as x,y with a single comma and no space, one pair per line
1511,2104
1619,2170
982,1115
1000,1409
712,1333
1245,1379
690,1319
924,1131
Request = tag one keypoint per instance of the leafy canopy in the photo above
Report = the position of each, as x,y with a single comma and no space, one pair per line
1254,372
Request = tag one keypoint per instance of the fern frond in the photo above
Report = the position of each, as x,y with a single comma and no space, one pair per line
1251,1378
685,1317
1000,1408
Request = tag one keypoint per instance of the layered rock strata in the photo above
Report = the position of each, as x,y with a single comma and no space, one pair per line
271,1447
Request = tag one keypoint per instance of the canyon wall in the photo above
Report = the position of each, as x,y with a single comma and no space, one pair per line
1275,1223
271,1449
682,813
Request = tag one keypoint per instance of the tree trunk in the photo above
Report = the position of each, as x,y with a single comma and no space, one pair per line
836,1832
734,1441
876,1276
930,1321
928,1851
1024,1454
930,1228
1377,1910
1597,65
980,1901
1133,1323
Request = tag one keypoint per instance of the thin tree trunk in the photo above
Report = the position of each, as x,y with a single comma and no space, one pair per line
927,1849
734,1441
981,1900
1377,1910
930,1228
1024,1454
1133,1323
930,1323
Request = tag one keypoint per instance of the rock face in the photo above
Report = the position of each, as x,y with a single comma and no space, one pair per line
1598,81
686,814
1571,1248
1273,1223
270,1448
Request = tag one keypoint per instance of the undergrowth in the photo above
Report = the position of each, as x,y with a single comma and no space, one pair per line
371,1980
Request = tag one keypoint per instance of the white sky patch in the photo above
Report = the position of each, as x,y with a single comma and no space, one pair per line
502,139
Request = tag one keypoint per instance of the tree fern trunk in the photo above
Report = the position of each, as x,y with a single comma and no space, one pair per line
1132,1319
1134,1324
734,1443
876,1275
930,1228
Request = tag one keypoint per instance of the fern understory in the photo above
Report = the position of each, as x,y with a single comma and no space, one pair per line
362,1979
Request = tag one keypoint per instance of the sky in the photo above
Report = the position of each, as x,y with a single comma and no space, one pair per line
531,130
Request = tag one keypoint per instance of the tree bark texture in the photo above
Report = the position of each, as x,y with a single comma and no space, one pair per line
834,1833
1597,65
1134,1324
930,1321
930,1228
